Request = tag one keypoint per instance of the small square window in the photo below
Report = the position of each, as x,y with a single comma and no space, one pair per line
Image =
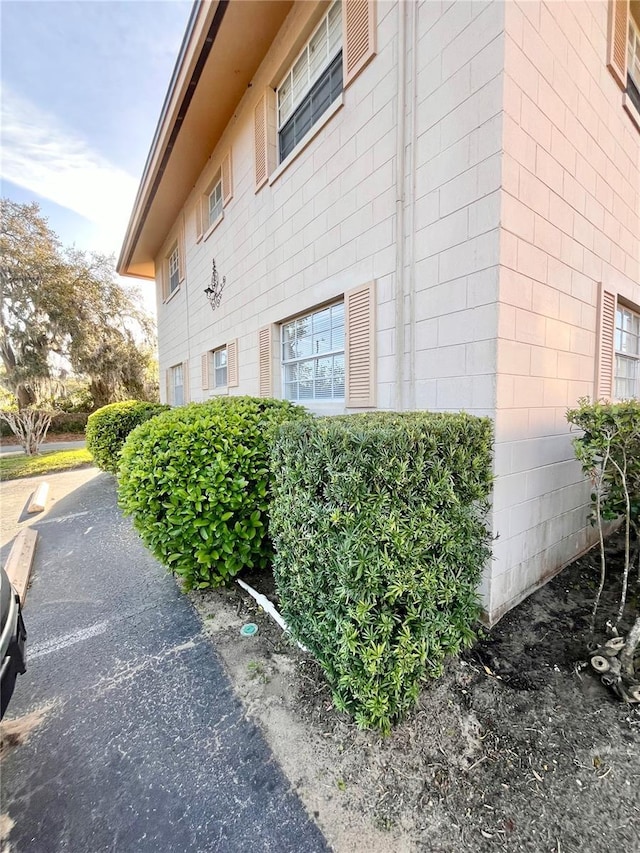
177,385
220,367
173,262
214,204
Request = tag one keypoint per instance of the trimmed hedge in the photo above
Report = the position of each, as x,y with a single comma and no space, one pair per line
108,428
196,482
378,522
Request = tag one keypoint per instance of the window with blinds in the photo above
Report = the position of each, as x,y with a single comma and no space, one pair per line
313,355
627,354
313,82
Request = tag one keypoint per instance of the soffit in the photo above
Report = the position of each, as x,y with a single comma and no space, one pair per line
244,35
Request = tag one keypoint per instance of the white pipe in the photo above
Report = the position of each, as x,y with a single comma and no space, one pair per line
268,607
400,198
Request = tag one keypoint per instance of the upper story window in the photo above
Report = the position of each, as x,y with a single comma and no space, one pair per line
313,355
174,270
313,82
633,62
627,353
214,205
623,53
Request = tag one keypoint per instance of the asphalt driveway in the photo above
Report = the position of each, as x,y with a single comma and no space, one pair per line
141,744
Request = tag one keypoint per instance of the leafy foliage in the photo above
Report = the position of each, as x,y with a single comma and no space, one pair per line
378,522
66,303
610,444
108,428
609,451
196,482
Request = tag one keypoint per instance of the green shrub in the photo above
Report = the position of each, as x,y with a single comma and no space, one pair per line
108,427
378,522
196,481
609,451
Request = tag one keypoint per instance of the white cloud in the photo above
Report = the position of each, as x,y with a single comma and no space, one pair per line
42,156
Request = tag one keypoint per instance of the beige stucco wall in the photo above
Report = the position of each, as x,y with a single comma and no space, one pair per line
570,220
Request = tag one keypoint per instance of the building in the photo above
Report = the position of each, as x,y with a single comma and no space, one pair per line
427,205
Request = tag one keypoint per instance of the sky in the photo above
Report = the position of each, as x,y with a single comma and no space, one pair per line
82,83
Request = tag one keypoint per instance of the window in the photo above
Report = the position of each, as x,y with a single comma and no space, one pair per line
174,270
313,82
627,353
633,62
220,367
313,355
214,204
177,385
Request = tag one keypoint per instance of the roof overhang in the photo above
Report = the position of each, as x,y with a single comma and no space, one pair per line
225,42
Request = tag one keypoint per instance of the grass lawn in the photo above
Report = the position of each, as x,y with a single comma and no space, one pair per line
12,467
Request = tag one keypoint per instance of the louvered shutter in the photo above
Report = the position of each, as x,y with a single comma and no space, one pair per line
260,137
227,179
232,363
606,354
617,34
204,369
265,378
185,381
359,36
167,387
182,260
360,341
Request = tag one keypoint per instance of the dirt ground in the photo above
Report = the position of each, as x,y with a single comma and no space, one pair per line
515,748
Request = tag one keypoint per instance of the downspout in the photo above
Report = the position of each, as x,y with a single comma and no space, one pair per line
412,200
400,169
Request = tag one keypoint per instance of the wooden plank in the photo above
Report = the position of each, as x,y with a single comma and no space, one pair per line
20,561
39,499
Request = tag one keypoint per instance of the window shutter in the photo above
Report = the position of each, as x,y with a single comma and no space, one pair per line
205,371
360,306
260,137
264,362
182,265
359,36
167,386
617,34
606,355
185,380
227,179
232,363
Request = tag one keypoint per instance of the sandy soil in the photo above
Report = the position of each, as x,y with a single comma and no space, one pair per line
515,748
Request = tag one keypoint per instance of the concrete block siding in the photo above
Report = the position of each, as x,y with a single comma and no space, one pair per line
569,222
482,170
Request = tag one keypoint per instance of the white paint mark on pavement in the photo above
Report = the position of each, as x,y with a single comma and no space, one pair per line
60,643
63,518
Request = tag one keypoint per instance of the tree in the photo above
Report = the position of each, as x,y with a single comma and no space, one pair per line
66,302
35,301
609,451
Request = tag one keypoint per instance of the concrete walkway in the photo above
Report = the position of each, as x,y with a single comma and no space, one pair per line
133,737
